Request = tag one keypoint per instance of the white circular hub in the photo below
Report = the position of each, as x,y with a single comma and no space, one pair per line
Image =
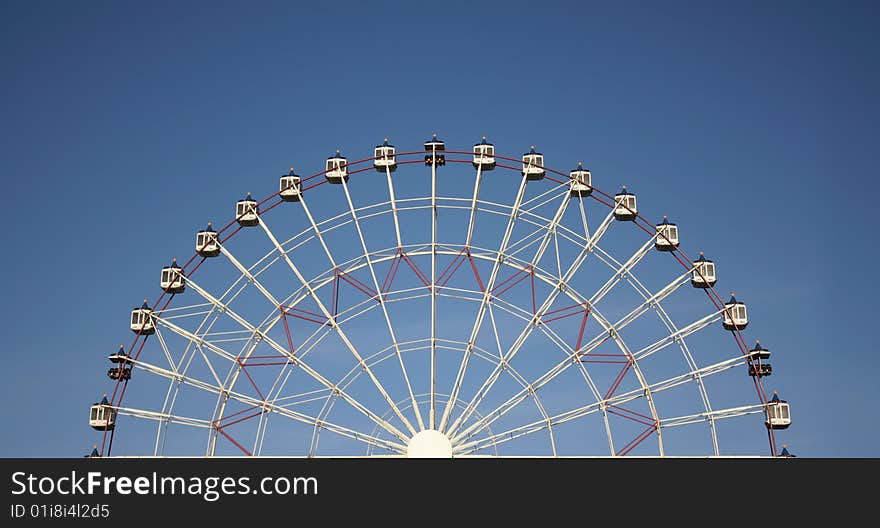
429,444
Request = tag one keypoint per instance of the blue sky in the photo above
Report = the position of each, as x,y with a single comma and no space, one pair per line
125,126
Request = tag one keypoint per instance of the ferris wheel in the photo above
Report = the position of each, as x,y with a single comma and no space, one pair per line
440,303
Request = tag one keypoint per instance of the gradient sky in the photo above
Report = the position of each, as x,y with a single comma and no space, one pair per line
751,122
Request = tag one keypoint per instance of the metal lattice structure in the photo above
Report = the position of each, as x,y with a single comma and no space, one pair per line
526,313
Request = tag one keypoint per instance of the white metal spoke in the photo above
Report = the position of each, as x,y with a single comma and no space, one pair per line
162,417
594,407
473,215
164,346
250,276
675,336
622,272
379,297
283,351
341,333
652,301
393,205
481,311
718,414
584,218
223,392
530,326
432,420
317,232
610,331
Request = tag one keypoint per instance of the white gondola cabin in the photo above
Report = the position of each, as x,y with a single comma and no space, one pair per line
484,155
735,315
758,361
703,274
247,212
172,279
533,165
337,169
581,183
434,149
384,157
142,320
290,187
667,236
207,242
778,413
625,205
102,416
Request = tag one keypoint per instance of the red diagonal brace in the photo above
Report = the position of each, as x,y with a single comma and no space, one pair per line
630,415
392,272
422,277
568,311
246,373
619,379
476,272
452,268
457,261
305,315
221,431
637,440
508,283
363,288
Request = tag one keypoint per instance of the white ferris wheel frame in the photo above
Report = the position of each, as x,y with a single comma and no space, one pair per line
464,436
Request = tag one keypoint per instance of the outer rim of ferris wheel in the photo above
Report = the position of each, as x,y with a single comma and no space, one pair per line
436,443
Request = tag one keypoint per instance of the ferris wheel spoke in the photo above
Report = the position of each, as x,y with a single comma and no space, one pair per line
209,364
531,325
712,416
342,335
548,231
432,413
297,361
473,210
166,418
195,339
526,241
702,372
544,198
164,346
393,203
530,389
487,293
632,363
316,230
622,272
256,404
584,218
250,276
572,356
381,299
653,300
591,408
675,336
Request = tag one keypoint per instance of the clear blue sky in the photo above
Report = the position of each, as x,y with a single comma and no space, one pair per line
125,125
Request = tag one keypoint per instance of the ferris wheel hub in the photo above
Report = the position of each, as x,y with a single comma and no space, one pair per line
429,443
